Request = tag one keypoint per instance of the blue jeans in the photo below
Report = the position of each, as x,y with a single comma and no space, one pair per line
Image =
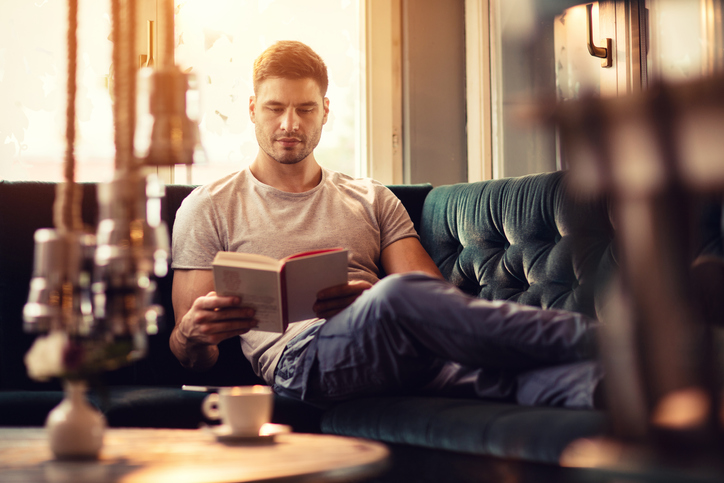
412,333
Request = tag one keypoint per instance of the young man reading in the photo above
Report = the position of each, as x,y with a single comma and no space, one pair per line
409,331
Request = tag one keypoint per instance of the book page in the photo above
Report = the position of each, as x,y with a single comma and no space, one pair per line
305,276
237,259
260,289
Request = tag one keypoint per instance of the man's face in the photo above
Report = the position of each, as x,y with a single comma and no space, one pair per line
288,116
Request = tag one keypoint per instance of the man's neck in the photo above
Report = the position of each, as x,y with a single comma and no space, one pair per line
292,178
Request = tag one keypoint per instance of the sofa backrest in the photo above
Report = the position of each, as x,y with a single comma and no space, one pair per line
522,239
26,206
530,239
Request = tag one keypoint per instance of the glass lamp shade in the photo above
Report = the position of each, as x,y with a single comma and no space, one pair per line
167,131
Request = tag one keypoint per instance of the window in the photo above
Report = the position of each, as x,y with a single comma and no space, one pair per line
219,40
685,39
522,72
33,75
216,39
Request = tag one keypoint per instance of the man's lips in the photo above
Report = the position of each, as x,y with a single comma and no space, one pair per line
288,142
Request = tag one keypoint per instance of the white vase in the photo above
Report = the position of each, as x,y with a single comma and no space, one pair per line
74,427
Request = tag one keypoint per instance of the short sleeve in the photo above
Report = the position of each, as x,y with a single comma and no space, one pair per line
394,221
197,234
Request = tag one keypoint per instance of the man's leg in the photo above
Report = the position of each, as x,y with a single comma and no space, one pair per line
393,337
569,385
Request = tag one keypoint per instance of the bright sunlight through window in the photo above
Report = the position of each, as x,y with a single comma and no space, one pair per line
216,39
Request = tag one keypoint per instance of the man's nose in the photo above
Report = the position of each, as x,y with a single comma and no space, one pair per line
290,121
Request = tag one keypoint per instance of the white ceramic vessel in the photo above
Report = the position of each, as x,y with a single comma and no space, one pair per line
75,428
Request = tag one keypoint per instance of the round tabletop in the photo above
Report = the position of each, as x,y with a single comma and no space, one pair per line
191,456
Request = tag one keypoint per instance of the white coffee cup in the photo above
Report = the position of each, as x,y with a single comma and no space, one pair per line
242,409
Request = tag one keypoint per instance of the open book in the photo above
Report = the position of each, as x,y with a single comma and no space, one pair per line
281,291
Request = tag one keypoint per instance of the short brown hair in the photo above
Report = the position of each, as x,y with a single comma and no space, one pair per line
289,59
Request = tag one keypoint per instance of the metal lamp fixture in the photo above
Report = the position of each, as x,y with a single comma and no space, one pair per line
100,286
167,131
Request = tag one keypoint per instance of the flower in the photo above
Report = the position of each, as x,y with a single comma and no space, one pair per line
59,355
44,360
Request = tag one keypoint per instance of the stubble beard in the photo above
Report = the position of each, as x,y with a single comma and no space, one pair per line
287,155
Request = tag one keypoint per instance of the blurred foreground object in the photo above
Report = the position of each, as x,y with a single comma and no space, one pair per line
654,155
167,132
168,107
98,288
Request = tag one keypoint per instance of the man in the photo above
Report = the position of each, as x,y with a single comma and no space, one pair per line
410,331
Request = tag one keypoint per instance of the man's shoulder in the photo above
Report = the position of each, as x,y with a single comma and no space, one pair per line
205,197
221,187
358,185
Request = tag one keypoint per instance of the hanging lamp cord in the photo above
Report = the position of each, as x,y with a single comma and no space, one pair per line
67,201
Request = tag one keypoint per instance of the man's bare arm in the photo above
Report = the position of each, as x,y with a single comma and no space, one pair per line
405,255
408,255
204,319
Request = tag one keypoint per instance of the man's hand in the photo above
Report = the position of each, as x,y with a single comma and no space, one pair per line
202,321
212,319
333,300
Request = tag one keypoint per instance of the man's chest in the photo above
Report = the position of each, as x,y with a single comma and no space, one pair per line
279,233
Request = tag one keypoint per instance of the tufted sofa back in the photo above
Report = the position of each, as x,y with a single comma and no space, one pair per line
530,239
522,239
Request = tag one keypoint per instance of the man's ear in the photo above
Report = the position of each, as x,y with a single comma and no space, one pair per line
252,108
326,110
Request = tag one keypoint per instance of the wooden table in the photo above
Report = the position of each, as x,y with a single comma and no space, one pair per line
191,456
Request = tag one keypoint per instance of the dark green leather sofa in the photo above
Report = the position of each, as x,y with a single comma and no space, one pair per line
522,239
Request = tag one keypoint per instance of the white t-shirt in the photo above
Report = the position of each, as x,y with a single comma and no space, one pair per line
239,213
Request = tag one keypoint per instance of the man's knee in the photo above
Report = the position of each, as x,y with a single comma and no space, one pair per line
401,286
394,298
380,305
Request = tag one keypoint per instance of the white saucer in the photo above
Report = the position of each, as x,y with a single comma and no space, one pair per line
224,434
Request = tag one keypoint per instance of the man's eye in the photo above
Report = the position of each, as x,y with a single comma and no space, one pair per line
275,109
305,111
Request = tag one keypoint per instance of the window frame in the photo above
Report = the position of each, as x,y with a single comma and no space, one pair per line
478,86
383,91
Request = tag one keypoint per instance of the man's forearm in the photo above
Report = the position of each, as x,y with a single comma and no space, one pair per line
197,357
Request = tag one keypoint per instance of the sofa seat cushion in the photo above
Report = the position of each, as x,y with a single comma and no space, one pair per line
150,407
144,406
27,408
466,425
172,407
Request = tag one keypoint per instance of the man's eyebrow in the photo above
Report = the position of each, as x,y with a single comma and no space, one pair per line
301,104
